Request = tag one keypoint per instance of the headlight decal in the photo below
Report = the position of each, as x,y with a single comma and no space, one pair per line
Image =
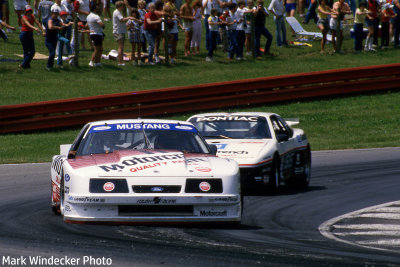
108,186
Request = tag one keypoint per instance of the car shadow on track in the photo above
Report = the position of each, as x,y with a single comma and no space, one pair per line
282,190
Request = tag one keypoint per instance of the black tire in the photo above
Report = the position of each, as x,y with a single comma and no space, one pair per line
54,207
301,181
304,179
62,197
274,178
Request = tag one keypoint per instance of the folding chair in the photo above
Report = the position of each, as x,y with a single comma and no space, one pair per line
299,30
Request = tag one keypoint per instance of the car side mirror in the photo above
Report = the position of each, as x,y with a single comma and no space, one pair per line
282,137
213,149
71,154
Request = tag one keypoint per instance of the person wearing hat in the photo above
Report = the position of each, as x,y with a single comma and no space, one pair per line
62,38
28,44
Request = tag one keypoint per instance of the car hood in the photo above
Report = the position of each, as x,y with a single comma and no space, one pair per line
144,163
243,151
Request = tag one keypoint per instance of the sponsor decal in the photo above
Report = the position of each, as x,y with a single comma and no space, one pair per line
221,146
144,167
109,186
141,160
204,186
157,189
184,127
67,208
202,169
233,152
67,177
223,199
86,199
66,190
210,213
102,128
156,200
141,126
227,118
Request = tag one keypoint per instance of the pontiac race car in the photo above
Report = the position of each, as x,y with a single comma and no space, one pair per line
267,149
144,171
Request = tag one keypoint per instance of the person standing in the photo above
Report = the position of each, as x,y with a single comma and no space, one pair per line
196,38
212,23
361,13
96,27
44,11
278,9
19,7
387,15
372,22
63,38
207,6
324,11
396,22
259,29
340,9
54,25
119,29
135,36
28,44
186,13
151,30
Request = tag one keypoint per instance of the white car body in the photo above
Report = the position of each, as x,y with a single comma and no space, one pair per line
144,184
269,151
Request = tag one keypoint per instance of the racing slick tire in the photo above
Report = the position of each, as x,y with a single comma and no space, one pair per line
274,178
302,180
54,206
62,197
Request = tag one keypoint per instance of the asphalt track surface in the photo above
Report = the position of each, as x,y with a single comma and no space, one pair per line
276,230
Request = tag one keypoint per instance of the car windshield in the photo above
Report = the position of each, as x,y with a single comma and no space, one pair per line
110,140
233,127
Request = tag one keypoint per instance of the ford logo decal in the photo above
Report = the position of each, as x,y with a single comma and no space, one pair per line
157,189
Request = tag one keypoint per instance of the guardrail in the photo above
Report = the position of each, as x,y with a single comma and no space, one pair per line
78,111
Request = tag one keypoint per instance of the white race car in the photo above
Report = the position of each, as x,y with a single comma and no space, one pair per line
267,149
144,171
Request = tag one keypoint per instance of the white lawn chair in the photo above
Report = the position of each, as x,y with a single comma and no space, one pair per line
299,30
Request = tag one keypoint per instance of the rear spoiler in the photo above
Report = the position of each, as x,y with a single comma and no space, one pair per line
292,122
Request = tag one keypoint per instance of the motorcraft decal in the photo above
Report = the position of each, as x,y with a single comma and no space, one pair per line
141,126
141,163
227,118
210,213
141,160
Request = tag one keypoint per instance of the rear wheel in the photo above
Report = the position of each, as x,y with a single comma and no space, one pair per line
274,180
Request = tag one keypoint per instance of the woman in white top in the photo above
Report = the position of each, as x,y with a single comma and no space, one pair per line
96,27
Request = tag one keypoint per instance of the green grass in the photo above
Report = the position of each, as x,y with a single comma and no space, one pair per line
352,122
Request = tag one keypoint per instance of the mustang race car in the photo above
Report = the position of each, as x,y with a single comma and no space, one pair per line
267,149
144,171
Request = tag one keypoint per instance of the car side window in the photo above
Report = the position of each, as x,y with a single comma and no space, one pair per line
281,132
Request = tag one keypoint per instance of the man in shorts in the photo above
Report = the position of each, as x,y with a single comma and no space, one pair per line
186,13
19,8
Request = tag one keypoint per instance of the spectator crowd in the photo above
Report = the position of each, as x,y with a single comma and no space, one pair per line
235,25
